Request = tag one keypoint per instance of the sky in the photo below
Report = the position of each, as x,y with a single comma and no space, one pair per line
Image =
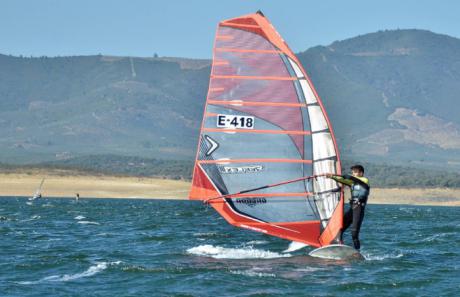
186,28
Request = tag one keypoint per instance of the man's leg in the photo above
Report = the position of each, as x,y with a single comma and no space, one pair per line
347,220
358,216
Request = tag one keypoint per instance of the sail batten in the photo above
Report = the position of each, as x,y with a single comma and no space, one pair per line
254,77
299,132
241,50
264,123
255,103
254,161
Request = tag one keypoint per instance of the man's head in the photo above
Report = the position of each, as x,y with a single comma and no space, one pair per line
357,170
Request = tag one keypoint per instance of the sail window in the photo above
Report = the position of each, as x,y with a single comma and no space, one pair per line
317,120
323,167
307,92
296,68
323,184
323,146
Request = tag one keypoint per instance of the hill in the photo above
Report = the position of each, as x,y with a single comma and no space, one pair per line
391,96
56,108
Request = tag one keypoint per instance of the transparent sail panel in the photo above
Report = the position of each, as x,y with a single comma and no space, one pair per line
296,68
239,39
248,63
273,209
307,92
318,122
326,204
323,146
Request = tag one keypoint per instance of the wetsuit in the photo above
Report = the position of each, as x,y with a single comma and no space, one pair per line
354,216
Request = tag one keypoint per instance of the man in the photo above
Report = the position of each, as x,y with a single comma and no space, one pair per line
359,186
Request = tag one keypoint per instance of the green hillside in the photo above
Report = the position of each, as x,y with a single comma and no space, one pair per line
55,108
391,97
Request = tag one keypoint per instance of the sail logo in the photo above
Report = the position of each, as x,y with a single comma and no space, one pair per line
213,145
242,169
235,121
251,202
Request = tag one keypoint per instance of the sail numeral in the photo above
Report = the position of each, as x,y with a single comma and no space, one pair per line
235,121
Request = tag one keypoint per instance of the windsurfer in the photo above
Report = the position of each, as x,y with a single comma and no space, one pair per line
359,186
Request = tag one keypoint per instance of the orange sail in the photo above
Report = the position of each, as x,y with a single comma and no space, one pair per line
264,123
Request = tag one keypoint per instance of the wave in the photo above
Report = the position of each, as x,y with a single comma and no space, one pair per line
92,270
310,269
79,218
252,273
138,268
294,246
88,223
204,234
256,242
32,218
382,257
218,252
438,236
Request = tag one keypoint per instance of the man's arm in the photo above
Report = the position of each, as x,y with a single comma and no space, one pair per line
341,179
360,180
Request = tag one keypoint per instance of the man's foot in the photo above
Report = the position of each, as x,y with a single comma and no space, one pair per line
356,244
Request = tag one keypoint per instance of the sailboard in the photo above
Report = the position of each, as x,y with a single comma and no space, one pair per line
266,142
38,192
337,252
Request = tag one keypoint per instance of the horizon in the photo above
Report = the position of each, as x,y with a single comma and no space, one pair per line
54,28
210,58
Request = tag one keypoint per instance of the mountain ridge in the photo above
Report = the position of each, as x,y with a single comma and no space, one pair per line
379,89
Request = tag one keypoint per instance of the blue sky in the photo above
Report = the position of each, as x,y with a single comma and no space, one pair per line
186,28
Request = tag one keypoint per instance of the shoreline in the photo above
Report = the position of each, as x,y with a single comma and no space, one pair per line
92,186
66,185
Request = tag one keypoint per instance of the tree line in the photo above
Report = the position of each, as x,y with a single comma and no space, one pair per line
380,175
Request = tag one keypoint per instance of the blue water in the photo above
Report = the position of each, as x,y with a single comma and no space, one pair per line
113,247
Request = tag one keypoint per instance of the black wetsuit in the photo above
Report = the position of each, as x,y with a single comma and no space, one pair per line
354,216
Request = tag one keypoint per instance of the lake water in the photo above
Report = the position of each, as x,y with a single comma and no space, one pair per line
117,247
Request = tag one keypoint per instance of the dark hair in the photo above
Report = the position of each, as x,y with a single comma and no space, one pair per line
357,167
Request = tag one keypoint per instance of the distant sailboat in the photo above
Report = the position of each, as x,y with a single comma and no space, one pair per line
38,192
264,124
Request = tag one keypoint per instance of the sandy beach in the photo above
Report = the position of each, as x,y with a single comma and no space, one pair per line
64,184
92,186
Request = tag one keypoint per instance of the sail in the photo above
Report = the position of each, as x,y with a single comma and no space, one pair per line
264,123
38,192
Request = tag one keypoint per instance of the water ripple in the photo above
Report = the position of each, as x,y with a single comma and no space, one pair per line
120,247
